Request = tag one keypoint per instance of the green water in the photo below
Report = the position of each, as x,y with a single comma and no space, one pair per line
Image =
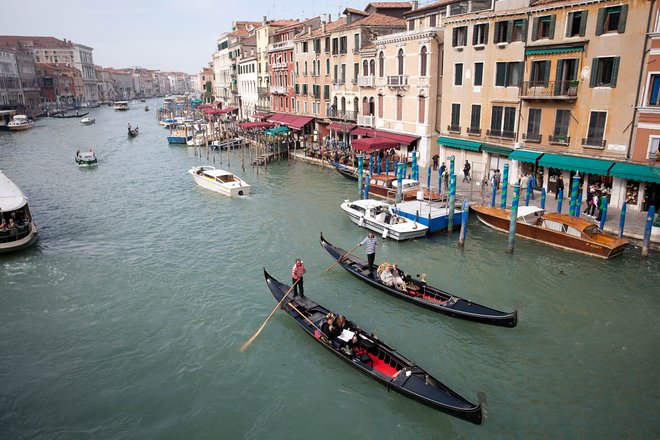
125,320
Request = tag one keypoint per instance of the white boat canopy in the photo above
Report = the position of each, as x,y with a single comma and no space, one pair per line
524,211
11,196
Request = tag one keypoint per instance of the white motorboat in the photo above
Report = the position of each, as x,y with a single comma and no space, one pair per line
381,218
17,229
20,123
86,158
121,105
87,121
219,180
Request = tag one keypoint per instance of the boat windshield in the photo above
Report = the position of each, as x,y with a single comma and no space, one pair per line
226,178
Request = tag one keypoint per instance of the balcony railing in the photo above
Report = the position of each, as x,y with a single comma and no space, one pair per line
397,81
366,120
338,81
465,7
262,91
594,142
559,140
367,81
278,90
280,46
454,128
279,65
532,137
561,90
347,115
262,108
475,131
501,133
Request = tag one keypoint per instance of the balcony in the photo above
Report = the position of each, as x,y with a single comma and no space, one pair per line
262,108
506,134
559,140
598,143
549,90
454,128
397,81
367,81
466,7
279,65
366,120
346,115
339,81
262,91
282,45
534,138
279,90
474,131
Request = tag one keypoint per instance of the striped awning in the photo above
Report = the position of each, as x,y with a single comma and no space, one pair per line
463,144
552,50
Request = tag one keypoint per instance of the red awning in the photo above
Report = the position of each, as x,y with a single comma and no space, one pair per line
372,144
299,122
287,119
262,115
213,111
361,131
276,117
341,126
250,125
227,110
399,138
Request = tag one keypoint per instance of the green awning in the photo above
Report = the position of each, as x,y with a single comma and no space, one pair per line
633,171
549,50
574,163
497,149
459,143
277,130
525,156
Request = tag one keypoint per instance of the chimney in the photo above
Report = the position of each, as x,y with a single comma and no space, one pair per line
264,20
415,4
309,29
323,27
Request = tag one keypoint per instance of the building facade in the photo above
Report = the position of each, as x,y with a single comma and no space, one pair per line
11,91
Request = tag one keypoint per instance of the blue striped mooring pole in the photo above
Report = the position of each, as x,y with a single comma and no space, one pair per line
387,167
543,198
494,193
622,219
360,173
575,187
578,205
527,191
399,187
505,185
514,218
371,165
451,165
380,162
647,230
405,165
428,178
366,188
603,216
464,220
561,200
452,203
439,182
414,165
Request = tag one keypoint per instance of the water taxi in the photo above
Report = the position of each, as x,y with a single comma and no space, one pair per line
384,185
17,229
559,230
181,134
86,158
87,121
20,123
381,218
220,181
121,105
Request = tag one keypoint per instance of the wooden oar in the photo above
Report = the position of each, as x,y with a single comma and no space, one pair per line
343,256
247,344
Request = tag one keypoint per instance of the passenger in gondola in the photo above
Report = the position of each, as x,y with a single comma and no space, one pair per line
329,328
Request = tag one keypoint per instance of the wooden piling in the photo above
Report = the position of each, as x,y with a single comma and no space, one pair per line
452,203
647,231
505,185
513,219
622,219
464,220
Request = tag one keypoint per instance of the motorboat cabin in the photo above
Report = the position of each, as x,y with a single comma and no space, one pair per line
381,218
220,181
17,229
121,105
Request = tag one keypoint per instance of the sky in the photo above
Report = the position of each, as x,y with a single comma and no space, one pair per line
167,35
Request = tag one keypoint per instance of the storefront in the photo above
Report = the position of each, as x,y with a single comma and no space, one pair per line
565,167
640,185
462,150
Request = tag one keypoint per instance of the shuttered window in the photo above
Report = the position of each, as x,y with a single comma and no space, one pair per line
604,72
612,19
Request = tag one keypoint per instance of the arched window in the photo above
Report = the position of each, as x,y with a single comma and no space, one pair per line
343,104
372,65
422,109
399,107
365,106
422,62
399,58
305,68
355,106
380,106
381,64
365,68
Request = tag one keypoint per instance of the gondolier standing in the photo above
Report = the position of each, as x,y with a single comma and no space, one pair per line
370,244
297,272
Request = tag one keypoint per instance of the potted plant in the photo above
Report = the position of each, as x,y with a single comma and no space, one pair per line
572,87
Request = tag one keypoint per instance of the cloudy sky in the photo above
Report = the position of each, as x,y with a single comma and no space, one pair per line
169,35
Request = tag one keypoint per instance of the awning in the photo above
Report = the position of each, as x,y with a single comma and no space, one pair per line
277,130
633,171
372,144
250,125
287,119
362,131
497,149
525,156
459,143
403,139
299,122
261,115
341,127
553,50
574,163
227,110
213,111
276,117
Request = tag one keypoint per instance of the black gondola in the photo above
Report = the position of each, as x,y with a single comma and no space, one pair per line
61,115
422,294
345,171
132,132
375,359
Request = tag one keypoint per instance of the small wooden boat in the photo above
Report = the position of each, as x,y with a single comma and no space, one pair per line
345,171
374,358
559,230
181,134
381,218
420,293
220,181
382,185
86,158
146,108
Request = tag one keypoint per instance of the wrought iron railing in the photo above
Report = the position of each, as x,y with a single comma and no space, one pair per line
474,131
560,140
454,128
532,137
594,142
501,133
549,89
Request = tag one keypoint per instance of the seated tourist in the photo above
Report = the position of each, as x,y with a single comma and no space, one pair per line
397,276
329,328
386,276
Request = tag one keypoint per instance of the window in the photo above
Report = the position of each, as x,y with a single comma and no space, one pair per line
327,44
356,72
539,74
422,62
343,44
502,29
365,68
304,47
335,46
534,125
508,74
421,109
381,64
327,66
562,119
475,120
317,45
326,92
372,68
576,24
503,121
335,78
343,73
458,74
478,74
399,107
604,72
480,34
411,25
380,106
654,90
399,58
654,143
432,20
455,118
544,27
305,71
596,130
519,31
612,20
356,43
459,36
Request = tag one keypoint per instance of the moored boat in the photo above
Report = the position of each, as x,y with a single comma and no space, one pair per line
380,217
62,115
372,357
422,294
121,105
559,230
87,121
346,171
180,135
20,123
382,185
17,228
433,214
86,158
220,181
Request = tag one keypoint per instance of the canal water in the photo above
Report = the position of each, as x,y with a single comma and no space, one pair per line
126,319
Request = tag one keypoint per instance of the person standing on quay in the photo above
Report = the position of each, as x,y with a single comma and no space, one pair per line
297,272
532,185
466,171
559,186
370,243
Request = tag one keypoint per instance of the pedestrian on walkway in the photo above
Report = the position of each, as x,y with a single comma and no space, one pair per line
497,177
559,185
370,243
435,162
532,185
443,167
466,171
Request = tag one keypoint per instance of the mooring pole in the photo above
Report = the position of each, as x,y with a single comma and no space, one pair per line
366,188
493,194
603,215
647,231
622,219
543,194
464,220
514,217
561,201
575,187
399,187
452,203
505,185
360,172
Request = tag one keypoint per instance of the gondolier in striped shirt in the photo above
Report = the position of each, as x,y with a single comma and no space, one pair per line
370,242
297,272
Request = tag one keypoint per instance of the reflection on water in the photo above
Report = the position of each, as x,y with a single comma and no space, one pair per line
143,286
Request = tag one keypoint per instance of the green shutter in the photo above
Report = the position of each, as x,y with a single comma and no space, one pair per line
583,22
521,67
615,71
535,28
569,23
622,19
486,33
553,19
524,32
546,73
500,74
594,73
474,34
496,38
559,76
454,37
509,31
600,23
